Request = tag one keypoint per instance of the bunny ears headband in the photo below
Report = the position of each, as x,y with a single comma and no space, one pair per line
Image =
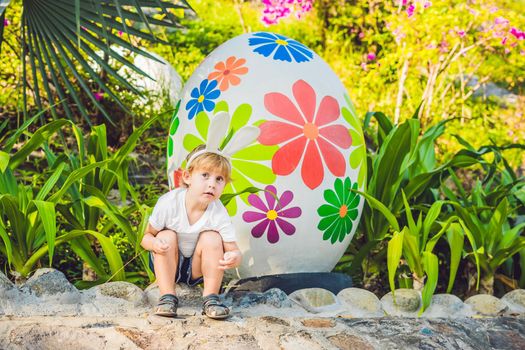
218,130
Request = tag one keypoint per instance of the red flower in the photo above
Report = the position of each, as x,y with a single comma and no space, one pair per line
308,133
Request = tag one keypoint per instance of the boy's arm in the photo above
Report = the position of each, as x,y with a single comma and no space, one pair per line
151,242
232,256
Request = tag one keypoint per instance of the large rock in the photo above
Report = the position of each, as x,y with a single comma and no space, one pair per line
515,300
5,283
360,303
446,306
316,300
487,305
407,303
122,290
48,281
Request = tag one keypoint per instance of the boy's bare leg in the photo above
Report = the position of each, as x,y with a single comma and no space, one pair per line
208,252
166,264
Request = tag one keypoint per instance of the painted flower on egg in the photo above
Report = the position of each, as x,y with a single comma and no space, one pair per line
307,133
342,209
272,214
228,72
281,47
203,98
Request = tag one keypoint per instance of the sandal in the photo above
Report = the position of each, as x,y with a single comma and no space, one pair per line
167,306
213,308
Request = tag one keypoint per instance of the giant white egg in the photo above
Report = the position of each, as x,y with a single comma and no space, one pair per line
308,157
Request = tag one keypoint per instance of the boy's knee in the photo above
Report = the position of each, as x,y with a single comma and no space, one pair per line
210,239
169,236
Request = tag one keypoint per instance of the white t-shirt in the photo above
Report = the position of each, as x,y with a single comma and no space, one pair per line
170,213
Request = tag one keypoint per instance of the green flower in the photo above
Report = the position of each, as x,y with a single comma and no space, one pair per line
246,164
358,154
341,210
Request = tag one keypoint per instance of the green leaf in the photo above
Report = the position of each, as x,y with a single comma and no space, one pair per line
455,240
376,204
50,183
47,214
227,197
4,161
394,252
430,263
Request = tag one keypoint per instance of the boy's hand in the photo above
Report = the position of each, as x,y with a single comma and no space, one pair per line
160,246
230,260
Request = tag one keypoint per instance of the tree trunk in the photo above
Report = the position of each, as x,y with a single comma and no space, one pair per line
418,282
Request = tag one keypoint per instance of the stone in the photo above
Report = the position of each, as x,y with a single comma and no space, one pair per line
407,303
48,281
515,300
5,283
122,290
272,297
345,341
486,305
187,295
316,300
359,302
446,306
318,323
299,340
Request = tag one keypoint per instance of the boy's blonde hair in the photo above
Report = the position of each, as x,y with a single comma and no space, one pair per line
210,161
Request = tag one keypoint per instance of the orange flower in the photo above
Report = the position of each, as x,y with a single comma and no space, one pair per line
227,72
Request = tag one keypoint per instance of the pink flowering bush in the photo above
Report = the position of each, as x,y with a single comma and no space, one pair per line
274,10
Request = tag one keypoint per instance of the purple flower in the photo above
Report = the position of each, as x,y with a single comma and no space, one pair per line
120,33
518,34
501,20
461,33
99,95
272,215
371,56
6,22
410,10
427,4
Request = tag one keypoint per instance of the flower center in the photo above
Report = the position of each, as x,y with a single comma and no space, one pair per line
310,131
281,42
343,210
226,72
200,99
271,214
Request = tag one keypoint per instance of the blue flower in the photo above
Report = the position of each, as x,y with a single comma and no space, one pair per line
202,98
282,48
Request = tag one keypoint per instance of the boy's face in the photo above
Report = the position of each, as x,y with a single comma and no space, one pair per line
204,184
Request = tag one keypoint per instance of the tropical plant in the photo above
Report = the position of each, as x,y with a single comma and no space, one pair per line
69,43
28,220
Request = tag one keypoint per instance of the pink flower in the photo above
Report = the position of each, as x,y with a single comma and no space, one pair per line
363,66
443,46
361,35
6,22
493,9
518,34
120,33
461,33
405,2
501,21
504,41
410,10
99,95
371,56
427,4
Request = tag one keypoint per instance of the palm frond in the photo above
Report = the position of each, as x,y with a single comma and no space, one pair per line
74,48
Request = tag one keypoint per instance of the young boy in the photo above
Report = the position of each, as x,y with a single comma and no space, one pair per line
190,235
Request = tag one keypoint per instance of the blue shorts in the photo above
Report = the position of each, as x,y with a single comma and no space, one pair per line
183,274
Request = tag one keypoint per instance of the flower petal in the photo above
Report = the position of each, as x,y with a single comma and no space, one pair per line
274,132
285,199
238,63
281,106
251,216
327,222
334,160
282,54
293,212
287,228
305,96
273,234
328,111
229,62
337,134
265,49
312,170
331,198
234,80
215,75
270,197
327,210
258,230
256,202
287,158
220,66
